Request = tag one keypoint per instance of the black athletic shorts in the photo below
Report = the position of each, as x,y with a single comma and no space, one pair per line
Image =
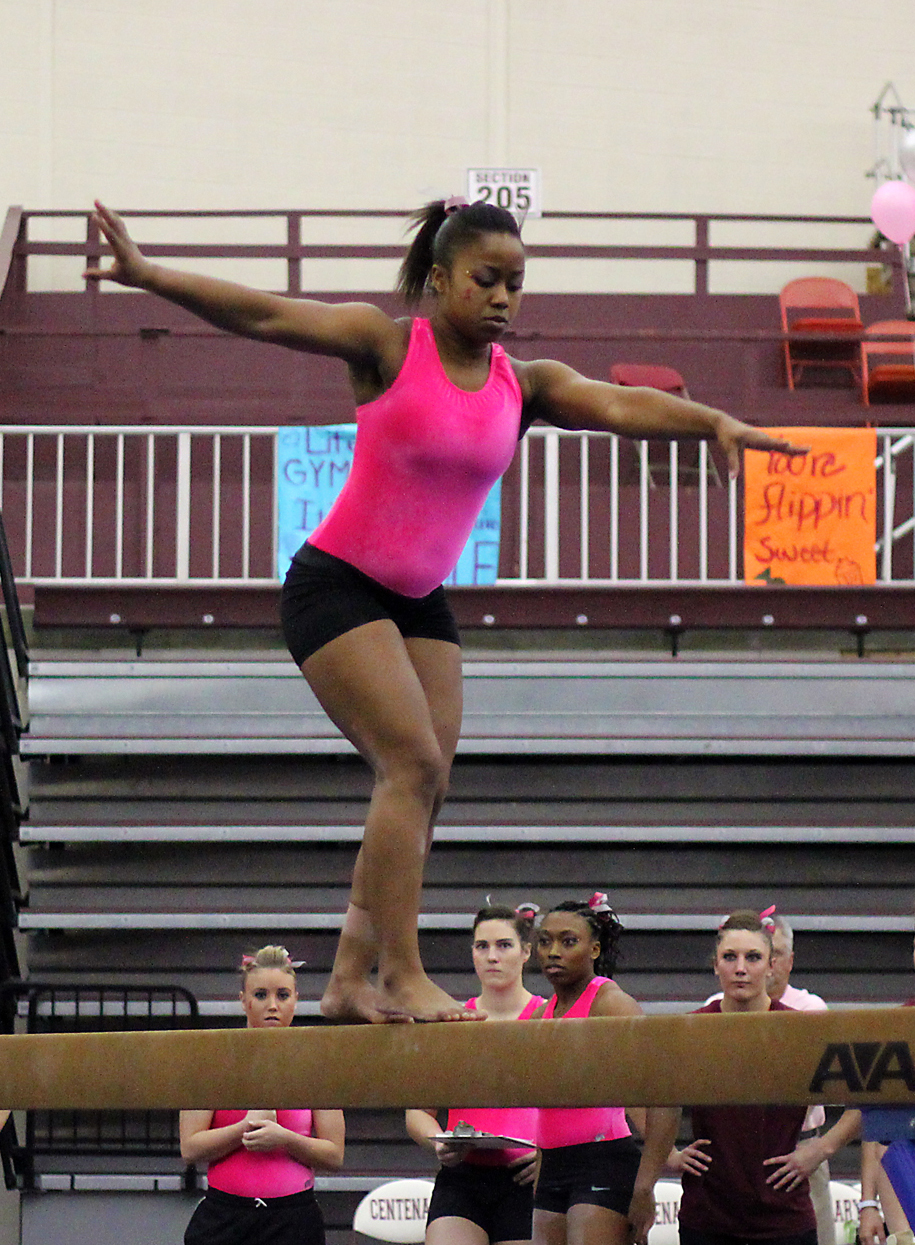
224,1219
490,1197
595,1173
324,597
689,1236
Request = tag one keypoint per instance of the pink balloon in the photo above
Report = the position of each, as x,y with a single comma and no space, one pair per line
893,211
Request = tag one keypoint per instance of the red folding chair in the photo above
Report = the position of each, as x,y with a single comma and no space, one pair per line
893,380
827,311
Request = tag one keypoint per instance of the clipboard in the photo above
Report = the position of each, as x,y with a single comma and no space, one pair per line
483,1141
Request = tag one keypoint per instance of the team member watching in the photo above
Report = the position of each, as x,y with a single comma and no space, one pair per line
740,1176
260,1163
481,1196
594,1188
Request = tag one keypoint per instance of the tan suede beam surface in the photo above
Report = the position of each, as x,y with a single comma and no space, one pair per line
855,1056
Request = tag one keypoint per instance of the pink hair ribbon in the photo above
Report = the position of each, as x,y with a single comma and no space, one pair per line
600,906
454,204
766,917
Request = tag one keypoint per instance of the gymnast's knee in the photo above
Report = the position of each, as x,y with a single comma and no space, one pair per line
421,772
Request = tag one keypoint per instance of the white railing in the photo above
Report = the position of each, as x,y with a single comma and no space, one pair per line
197,505
122,504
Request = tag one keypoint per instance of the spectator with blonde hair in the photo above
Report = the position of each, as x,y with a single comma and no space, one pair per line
261,1162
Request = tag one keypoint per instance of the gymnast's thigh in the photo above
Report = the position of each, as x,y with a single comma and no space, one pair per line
549,1227
588,1224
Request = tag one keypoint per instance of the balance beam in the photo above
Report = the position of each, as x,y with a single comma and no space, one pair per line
856,1057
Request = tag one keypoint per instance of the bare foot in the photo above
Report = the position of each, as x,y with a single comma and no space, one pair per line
357,1002
421,999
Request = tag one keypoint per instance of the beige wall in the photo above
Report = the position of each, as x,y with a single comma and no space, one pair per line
672,105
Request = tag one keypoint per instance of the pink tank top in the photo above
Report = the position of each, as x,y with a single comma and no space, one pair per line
269,1173
426,455
507,1121
570,1126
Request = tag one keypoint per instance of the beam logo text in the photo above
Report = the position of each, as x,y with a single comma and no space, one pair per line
864,1066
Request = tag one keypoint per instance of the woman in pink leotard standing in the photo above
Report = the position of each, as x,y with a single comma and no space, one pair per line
485,1197
440,407
261,1162
595,1187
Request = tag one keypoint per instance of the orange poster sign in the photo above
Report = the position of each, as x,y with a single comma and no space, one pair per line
812,520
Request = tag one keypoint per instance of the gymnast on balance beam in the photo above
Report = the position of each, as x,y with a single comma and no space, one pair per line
440,408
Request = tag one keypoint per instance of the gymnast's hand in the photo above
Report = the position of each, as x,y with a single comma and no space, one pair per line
257,1114
871,1228
733,436
691,1158
793,1168
262,1135
641,1214
525,1168
129,266
450,1153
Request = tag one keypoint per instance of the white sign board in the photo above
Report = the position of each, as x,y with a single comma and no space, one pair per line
664,1230
517,190
395,1211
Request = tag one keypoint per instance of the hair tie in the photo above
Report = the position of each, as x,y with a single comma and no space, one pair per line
766,917
527,911
455,204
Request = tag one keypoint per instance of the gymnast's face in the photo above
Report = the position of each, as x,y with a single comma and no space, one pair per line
566,949
479,295
499,955
742,962
269,998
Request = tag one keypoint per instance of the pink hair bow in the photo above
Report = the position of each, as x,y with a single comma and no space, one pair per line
527,911
454,204
599,902
766,917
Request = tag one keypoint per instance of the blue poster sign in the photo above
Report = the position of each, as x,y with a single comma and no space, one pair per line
312,465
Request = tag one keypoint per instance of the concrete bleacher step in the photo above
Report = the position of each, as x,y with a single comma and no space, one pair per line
575,707
179,864
520,835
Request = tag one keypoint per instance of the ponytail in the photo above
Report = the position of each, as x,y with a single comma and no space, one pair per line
443,227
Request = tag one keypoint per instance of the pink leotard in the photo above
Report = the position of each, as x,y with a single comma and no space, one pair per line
570,1126
266,1173
426,455
507,1121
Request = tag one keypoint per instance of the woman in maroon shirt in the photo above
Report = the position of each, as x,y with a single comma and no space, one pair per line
729,1192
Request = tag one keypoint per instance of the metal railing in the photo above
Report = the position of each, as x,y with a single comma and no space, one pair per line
121,505
291,245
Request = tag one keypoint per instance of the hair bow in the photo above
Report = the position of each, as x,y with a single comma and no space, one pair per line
527,911
766,917
600,907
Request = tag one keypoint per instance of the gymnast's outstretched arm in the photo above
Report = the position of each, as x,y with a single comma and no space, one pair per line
352,331
560,395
